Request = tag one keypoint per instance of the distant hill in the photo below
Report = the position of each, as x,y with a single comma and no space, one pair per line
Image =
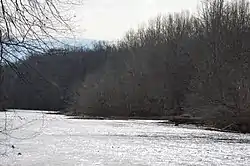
77,42
18,53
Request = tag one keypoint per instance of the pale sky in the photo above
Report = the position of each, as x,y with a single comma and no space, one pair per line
110,19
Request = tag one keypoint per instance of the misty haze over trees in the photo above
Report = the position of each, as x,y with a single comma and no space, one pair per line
177,64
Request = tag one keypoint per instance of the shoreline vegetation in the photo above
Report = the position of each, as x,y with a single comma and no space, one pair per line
197,122
167,120
174,120
191,68
164,120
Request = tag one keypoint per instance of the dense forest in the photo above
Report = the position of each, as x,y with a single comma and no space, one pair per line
48,81
176,64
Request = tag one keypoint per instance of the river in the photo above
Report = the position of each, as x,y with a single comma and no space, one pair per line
49,139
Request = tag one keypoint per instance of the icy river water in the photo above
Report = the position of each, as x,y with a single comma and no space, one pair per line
35,139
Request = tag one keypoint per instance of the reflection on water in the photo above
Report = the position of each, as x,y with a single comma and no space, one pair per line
54,139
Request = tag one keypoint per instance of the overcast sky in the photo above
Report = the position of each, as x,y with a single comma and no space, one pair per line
110,19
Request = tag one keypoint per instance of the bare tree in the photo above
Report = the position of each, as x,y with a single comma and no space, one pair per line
28,26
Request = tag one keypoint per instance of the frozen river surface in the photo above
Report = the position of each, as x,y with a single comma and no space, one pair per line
44,139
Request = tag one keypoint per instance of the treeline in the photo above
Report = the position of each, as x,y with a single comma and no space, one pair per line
178,63
49,81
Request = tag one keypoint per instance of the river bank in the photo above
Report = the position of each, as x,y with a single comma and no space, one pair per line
59,140
185,119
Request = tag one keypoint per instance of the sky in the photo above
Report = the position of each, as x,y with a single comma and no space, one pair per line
111,19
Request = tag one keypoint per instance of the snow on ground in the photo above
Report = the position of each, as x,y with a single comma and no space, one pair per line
44,139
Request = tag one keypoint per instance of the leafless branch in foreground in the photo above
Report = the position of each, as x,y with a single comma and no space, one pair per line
26,27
